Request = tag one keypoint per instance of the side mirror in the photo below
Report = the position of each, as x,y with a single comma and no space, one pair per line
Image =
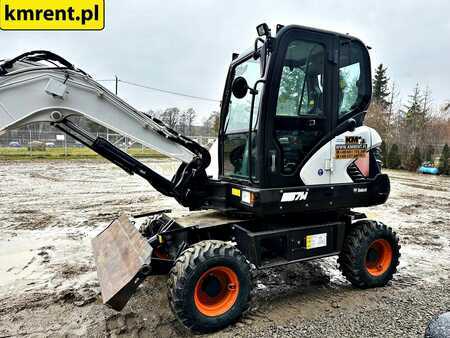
239,88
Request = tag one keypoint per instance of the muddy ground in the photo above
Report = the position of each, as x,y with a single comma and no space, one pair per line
50,210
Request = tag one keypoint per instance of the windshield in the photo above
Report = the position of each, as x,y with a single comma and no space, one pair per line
239,109
236,140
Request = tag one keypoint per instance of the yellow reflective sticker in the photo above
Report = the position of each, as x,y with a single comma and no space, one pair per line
308,242
235,192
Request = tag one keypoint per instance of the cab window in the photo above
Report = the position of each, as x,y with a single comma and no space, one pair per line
300,119
301,85
239,109
353,87
236,126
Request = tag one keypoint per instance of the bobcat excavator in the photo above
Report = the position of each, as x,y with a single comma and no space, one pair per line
291,160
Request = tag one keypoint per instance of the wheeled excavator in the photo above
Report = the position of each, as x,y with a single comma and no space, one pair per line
291,161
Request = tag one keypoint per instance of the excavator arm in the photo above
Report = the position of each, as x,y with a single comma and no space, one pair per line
40,86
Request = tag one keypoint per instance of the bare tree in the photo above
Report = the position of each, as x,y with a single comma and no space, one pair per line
211,124
171,117
377,118
392,120
190,116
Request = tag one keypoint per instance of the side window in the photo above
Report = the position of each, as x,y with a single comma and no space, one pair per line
236,129
239,109
352,87
301,85
299,122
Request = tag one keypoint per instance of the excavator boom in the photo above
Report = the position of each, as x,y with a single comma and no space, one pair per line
57,91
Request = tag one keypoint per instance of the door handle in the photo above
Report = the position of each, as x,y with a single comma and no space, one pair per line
272,161
329,165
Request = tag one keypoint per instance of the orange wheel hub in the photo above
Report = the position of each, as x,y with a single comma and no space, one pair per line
216,291
379,257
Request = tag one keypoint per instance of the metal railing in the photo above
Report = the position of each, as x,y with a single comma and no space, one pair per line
34,140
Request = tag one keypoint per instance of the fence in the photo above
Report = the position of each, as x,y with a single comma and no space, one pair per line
32,141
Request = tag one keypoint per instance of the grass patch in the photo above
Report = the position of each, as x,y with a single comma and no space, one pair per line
72,153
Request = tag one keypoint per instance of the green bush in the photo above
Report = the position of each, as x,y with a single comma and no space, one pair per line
415,160
429,153
393,158
443,161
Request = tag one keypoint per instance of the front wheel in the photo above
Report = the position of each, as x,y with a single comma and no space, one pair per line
370,254
209,286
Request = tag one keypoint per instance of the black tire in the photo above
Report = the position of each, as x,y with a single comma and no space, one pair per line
201,265
370,254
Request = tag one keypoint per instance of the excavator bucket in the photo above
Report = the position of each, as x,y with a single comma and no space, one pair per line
122,257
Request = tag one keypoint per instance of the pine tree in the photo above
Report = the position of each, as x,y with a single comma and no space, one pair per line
429,153
414,119
444,167
414,108
394,157
380,92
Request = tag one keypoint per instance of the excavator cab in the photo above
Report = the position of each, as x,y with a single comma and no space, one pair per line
311,82
288,108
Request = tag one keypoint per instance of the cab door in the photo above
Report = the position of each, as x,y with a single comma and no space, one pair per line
349,149
300,108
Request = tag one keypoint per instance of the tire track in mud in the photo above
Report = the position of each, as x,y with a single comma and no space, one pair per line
298,299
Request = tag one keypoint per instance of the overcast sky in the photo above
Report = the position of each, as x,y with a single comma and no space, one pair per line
186,46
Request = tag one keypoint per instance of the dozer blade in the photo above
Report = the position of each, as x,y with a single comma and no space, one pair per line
121,255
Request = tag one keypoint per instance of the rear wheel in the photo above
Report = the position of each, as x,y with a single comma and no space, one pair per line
370,255
209,285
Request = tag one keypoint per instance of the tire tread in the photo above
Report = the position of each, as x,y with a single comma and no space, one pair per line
184,267
351,260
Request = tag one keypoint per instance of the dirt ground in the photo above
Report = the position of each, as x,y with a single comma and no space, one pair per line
50,211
